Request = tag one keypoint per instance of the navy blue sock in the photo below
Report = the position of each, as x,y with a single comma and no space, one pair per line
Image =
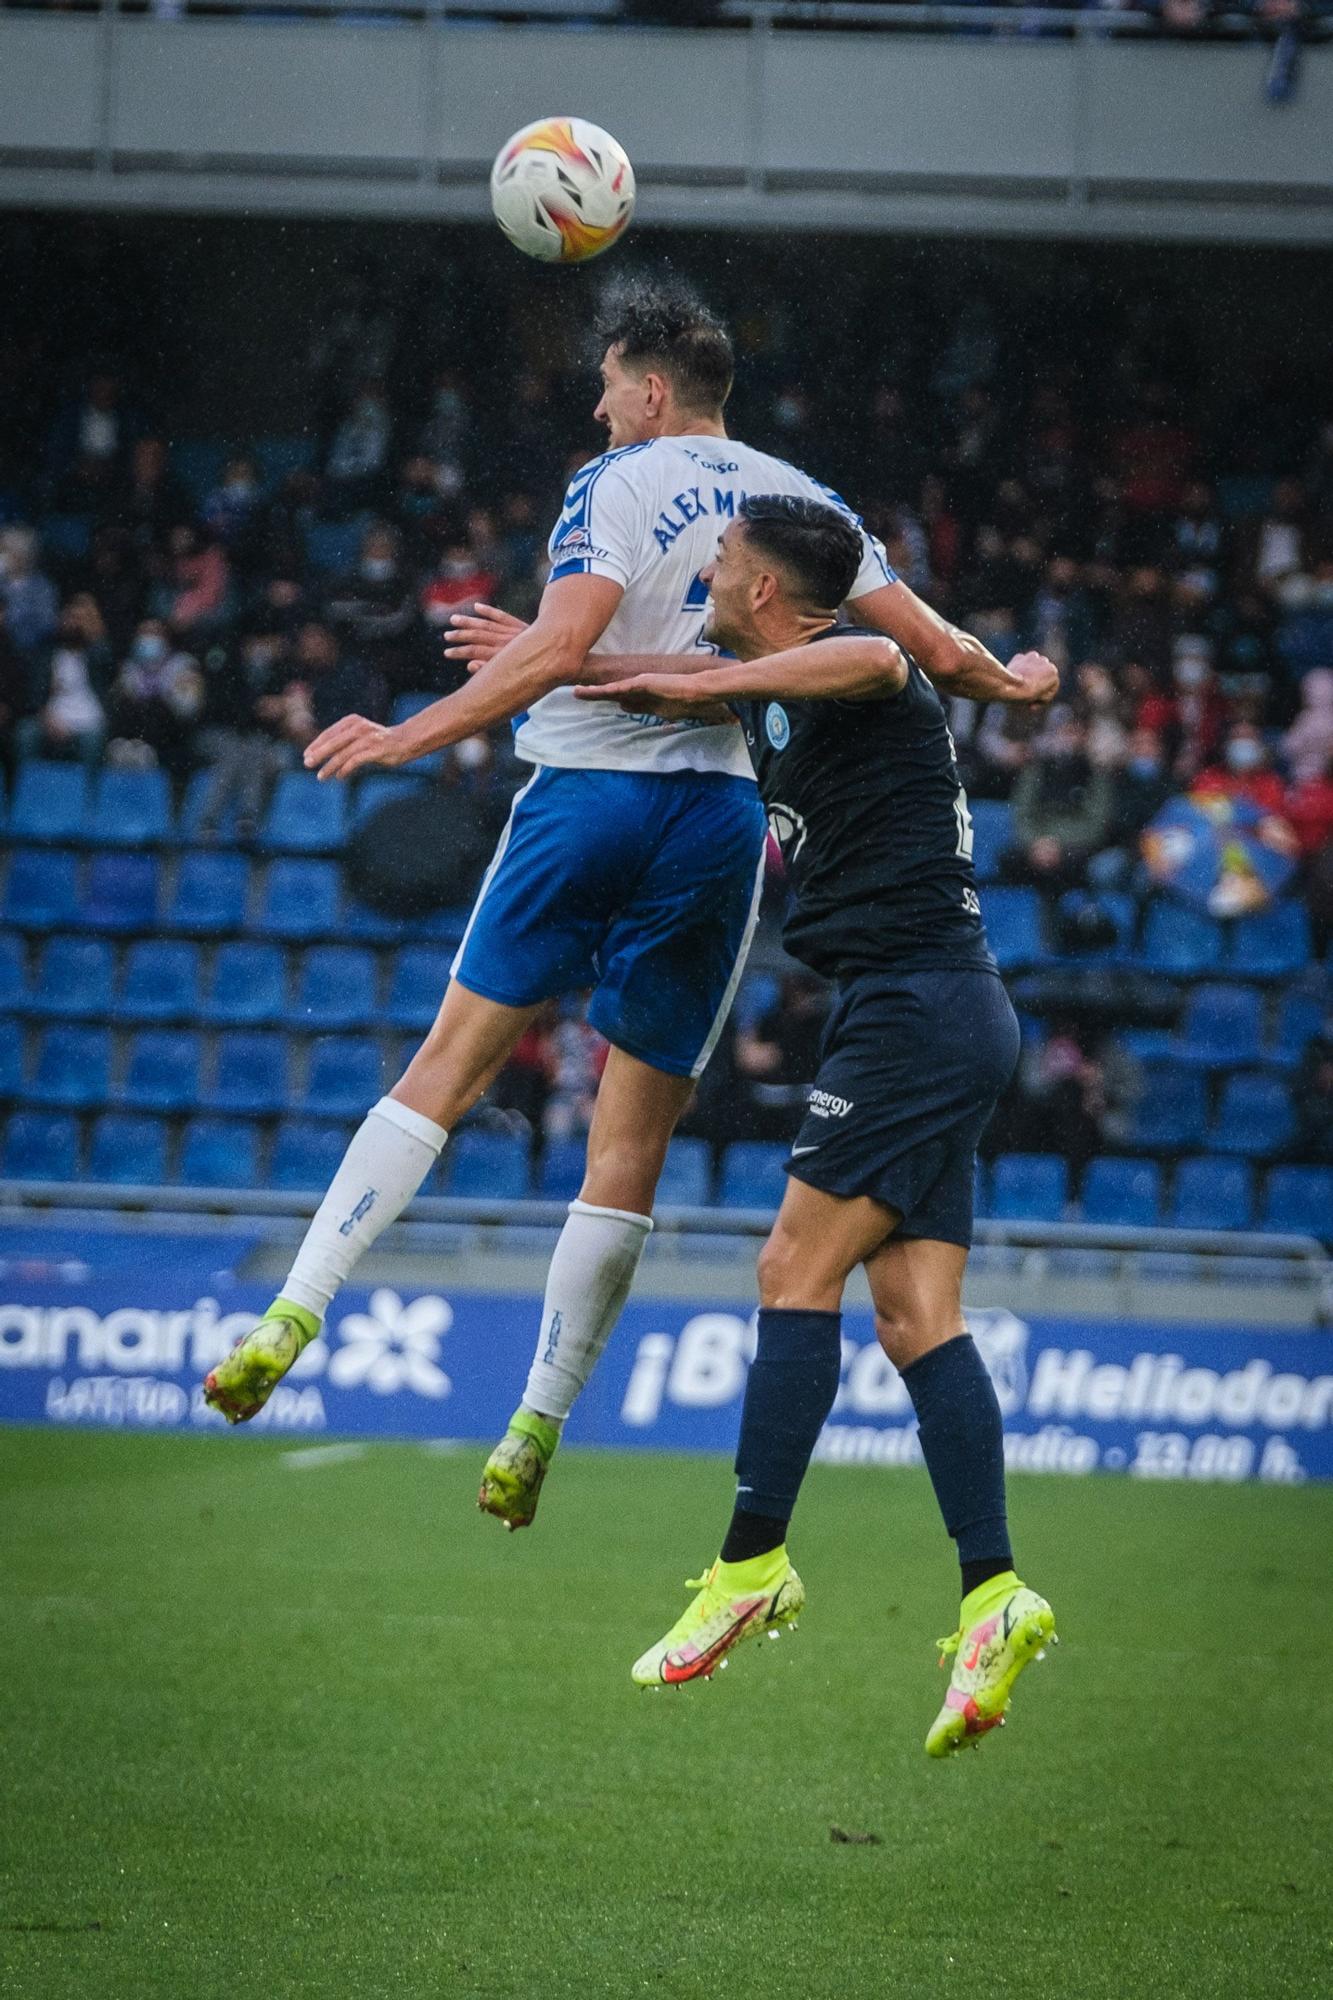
792,1386
962,1439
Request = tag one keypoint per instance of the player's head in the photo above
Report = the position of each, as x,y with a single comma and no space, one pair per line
667,362
783,562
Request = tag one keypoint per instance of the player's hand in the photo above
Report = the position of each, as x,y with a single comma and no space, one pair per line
477,635
1040,677
665,695
351,745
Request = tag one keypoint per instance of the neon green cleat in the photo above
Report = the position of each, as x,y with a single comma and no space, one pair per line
511,1479
241,1384
1003,1626
736,1601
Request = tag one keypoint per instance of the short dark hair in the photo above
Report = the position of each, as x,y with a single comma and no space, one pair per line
819,548
665,325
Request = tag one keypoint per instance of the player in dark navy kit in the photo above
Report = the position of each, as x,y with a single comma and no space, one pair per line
856,766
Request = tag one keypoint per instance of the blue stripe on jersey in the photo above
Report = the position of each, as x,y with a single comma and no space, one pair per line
575,566
578,498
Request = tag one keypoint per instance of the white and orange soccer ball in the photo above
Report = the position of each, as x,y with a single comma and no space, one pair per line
562,190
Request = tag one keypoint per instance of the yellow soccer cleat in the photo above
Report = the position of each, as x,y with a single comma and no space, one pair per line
241,1384
1003,1626
736,1601
511,1479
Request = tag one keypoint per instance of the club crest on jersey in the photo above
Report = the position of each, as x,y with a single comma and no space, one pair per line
776,726
572,542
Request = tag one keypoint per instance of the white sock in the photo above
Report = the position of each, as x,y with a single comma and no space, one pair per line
389,1157
586,1287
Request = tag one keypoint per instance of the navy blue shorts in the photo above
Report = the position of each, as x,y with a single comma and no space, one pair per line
642,885
911,1069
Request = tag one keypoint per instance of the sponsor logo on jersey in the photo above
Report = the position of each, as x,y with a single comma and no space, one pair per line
823,1104
776,726
572,542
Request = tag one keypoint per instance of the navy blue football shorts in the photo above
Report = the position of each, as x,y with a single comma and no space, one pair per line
911,1069
641,885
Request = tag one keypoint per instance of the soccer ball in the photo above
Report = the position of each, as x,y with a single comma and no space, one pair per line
562,190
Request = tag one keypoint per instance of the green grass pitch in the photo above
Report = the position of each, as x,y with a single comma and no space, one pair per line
324,1730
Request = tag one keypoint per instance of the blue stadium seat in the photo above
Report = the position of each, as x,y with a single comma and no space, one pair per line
1127,1193
39,1147
332,546
336,989
198,463
444,926
120,893
383,788
42,892
1300,1017
992,833
192,812
128,809
251,1076
1179,941
163,1071
687,1175
486,1166
248,986
1254,1117
420,975
300,900
563,1165
1029,1187
345,1077
306,1156
1013,925
66,538
305,817
218,1153
11,1061
73,1069
1172,1112
161,982
752,1175
210,895
1299,1201
980,1188
406,706
1275,944
758,996
1098,911
13,973
74,983
128,1151
1212,1194
1221,1028
278,457
48,803
369,926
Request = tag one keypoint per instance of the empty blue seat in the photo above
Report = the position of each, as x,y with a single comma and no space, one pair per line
1013,925
306,1156
383,788
406,706
1029,1187
190,825
48,802
219,1153
372,927
992,833
563,1165
42,893
279,456
13,973
300,900
74,982
687,1175
1254,1117
752,1175
304,816
336,989
1212,1194
1299,1201
11,1061
251,1076
1172,1112
73,1067
1127,1193
161,982
1300,1017
1177,940
334,545
1221,1029
345,1077
198,463
163,1071
486,1166
420,975
210,895
120,893
128,1151
247,988
128,809
41,1147
444,926
1274,944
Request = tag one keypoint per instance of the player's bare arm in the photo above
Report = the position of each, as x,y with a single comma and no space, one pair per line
954,660
481,632
547,654
836,669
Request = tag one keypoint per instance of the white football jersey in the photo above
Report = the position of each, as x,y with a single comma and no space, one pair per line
649,516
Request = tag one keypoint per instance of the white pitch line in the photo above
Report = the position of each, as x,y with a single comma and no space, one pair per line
321,1454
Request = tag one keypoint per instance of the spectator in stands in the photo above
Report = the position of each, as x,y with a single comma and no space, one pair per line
153,500
88,445
70,688
1002,749
442,440
374,607
1141,787
579,1057
1196,544
1307,743
231,507
118,581
15,698
1278,547
1192,715
1312,1096
525,1084
1245,771
32,607
1063,808
157,698
1141,623
243,732
461,578
1153,455
1309,807
193,595
359,453
777,1058
327,684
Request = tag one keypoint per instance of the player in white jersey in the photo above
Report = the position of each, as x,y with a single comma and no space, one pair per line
631,864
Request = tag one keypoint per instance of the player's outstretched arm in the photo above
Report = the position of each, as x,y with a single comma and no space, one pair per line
847,669
547,654
954,660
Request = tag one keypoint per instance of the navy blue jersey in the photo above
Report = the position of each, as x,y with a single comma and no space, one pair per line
865,801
